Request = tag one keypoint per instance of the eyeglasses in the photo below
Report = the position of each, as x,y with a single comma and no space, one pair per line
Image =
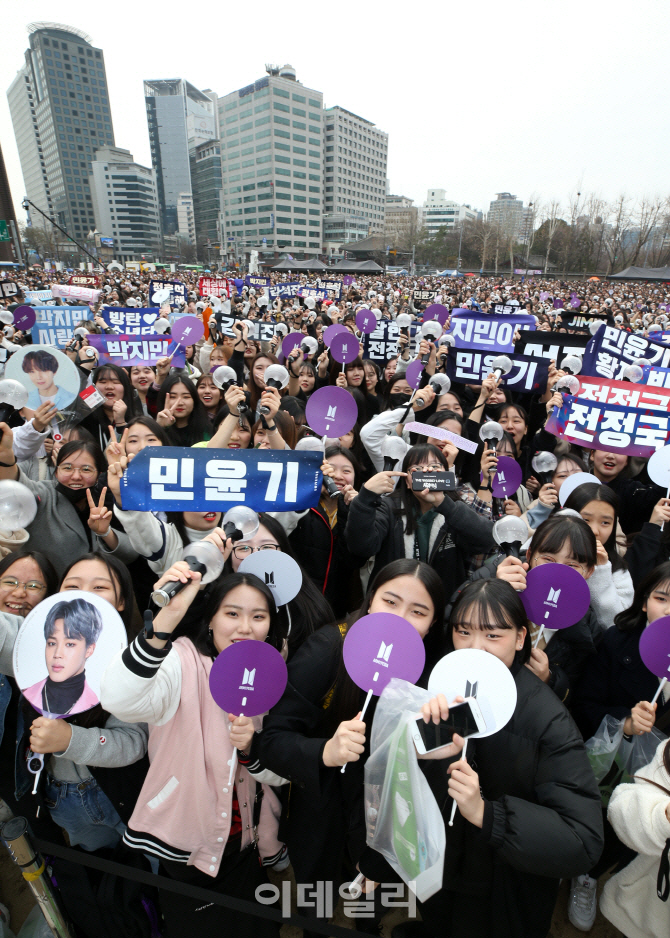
435,467
85,470
246,550
32,586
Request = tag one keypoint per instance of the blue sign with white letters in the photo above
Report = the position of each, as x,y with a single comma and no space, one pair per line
181,478
55,325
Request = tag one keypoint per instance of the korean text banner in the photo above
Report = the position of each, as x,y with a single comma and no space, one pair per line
284,289
213,286
382,344
176,290
527,374
333,286
611,350
631,431
180,478
251,280
316,292
623,393
655,377
131,321
128,350
550,345
55,325
487,333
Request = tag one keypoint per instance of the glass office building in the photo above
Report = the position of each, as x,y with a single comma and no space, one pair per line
60,111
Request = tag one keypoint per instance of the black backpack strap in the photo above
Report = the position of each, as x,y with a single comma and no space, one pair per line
663,881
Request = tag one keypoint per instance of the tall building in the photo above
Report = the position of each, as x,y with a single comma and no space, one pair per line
125,204
9,250
439,212
207,181
509,214
180,119
355,158
271,135
60,111
339,228
401,221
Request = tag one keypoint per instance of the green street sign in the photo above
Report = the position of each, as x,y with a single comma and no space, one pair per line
4,233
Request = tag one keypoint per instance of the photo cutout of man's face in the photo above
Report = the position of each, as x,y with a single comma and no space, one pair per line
65,657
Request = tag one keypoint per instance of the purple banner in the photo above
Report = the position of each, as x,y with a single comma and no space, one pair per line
127,350
484,332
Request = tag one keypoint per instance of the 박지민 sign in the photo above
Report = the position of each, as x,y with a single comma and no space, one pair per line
252,280
127,350
611,350
527,374
55,325
482,332
131,321
179,478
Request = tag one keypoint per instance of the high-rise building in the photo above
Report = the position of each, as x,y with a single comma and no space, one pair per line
401,221
509,214
439,212
355,156
180,119
125,204
207,181
271,136
9,250
60,111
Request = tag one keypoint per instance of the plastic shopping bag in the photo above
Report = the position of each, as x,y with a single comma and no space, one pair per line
614,759
404,822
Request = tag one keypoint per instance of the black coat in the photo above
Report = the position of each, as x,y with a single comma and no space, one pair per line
323,809
325,556
375,528
636,502
613,682
542,822
649,549
569,649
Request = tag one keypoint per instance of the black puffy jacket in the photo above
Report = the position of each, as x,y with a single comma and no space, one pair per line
542,822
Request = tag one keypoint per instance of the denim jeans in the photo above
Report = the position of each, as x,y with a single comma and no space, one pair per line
85,812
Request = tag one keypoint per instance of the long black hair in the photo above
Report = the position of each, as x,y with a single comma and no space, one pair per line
344,701
203,640
405,499
635,618
594,492
152,425
130,396
199,426
498,605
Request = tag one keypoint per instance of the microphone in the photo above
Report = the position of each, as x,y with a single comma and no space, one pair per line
276,376
393,449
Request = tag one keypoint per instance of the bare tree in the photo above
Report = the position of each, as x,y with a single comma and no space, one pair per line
644,220
479,237
616,232
552,219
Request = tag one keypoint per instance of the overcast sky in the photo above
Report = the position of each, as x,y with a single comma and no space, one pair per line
538,99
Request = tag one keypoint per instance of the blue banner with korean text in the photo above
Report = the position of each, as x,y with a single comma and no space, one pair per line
180,478
611,350
251,280
382,344
527,374
284,289
55,325
487,333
